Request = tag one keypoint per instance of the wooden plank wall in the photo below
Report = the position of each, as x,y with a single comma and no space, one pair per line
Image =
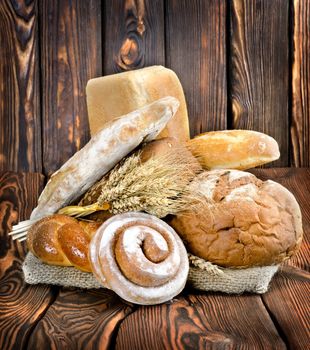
259,69
243,64
20,114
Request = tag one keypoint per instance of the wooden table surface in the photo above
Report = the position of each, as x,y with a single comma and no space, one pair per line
51,317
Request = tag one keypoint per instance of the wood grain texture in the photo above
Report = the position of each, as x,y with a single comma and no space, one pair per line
196,51
21,305
20,128
300,128
201,321
80,320
70,35
288,302
134,38
259,69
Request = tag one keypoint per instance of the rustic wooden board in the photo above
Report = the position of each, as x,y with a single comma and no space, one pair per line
288,302
202,321
21,305
20,125
259,69
196,51
134,38
70,37
300,128
80,320
288,298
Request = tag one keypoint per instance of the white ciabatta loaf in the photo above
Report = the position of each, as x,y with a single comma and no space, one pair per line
111,96
234,149
102,152
248,222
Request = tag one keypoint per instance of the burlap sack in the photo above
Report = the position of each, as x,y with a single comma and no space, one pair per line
36,272
202,275
208,277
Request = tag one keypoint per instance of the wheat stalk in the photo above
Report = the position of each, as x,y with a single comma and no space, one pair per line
204,265
159,186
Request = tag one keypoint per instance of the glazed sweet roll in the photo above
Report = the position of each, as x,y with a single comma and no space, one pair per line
140,257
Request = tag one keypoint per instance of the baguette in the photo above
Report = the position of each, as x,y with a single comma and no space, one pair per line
101,153
234,149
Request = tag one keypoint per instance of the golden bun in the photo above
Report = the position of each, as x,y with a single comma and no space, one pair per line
62,240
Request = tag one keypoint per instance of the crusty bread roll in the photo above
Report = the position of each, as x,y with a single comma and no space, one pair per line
114,95
247,222
62,240
101,153
140,257
160,147
234,149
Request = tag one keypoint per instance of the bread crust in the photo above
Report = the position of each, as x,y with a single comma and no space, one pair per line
248,223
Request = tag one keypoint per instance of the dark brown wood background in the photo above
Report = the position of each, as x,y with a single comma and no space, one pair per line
243,64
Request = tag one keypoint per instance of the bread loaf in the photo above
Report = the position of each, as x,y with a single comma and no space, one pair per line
234,149
114,95
250,223
101,153
160,148
62,240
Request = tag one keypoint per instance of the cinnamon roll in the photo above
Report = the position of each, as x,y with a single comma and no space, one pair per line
140,257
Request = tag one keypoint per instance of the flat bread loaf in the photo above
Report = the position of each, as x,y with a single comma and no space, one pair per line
102,153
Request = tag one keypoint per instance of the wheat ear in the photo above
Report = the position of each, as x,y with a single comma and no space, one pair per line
159,186
78,211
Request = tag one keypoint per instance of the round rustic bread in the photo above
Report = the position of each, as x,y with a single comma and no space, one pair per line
243,222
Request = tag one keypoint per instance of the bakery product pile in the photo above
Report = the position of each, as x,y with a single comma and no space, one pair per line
142,208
